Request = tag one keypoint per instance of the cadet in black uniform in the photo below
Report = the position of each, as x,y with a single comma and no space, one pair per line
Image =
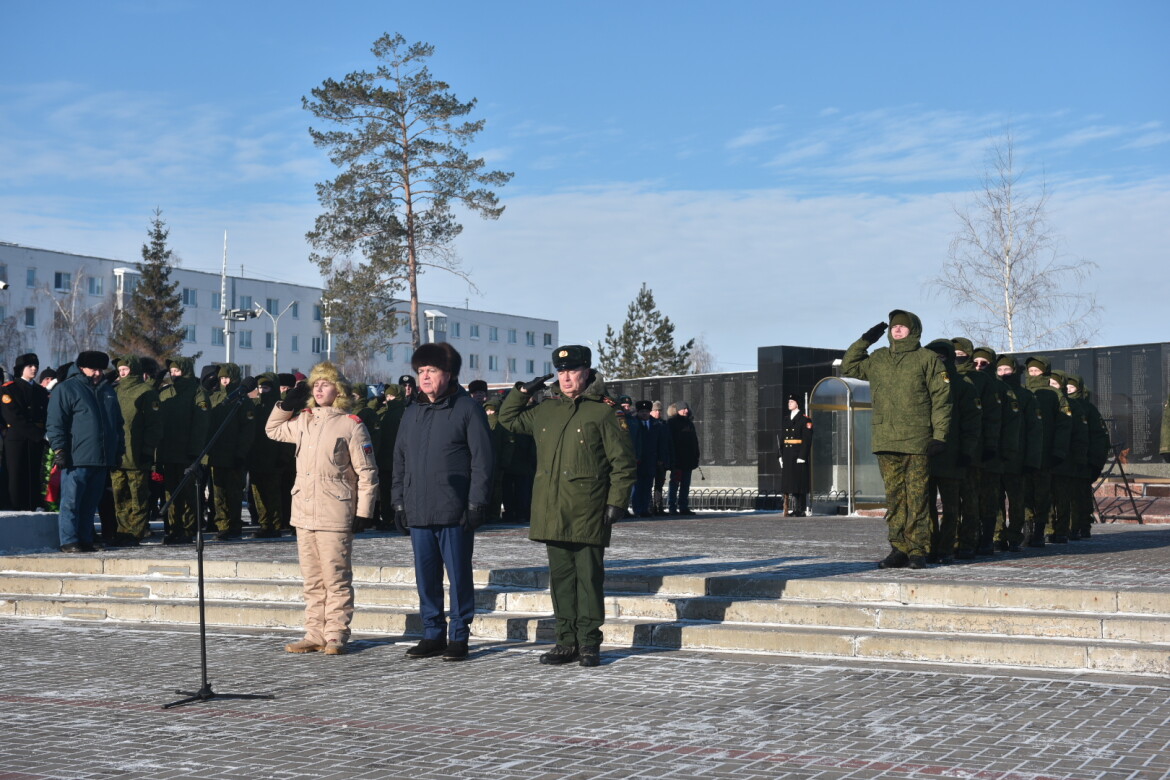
796,447
25,405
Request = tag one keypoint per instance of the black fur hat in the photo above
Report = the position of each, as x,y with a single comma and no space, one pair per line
98,360
29,359
442,356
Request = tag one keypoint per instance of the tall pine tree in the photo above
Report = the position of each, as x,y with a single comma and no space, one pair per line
151,323
645,345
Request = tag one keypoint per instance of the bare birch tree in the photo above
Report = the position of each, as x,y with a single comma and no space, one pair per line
80,321
1006,273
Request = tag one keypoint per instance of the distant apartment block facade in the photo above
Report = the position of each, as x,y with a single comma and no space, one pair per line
42,284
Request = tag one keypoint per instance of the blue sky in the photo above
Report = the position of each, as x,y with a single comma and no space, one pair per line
777,172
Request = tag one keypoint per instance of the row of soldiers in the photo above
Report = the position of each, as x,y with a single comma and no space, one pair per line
1025,447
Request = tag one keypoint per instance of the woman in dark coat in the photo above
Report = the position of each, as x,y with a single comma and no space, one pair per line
794,457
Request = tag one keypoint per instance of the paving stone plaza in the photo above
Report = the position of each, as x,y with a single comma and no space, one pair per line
83,699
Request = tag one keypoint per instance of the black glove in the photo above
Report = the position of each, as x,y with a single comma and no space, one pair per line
61,459
361,523
535,384
474,517
874,333
936,447
400,520
613,514
295,398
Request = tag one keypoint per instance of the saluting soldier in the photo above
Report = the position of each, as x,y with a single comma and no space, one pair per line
585,469
25,405
911,418
142,424
183,408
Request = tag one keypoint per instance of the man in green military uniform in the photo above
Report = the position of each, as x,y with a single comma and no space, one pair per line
1020,454
1096,456
1053,418
143,429
183,408
948,469
389,421
229,454
977,523
911,419
585,470
991,480
1066,475
267,461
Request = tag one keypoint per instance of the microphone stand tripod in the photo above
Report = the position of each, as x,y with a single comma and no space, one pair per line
194,471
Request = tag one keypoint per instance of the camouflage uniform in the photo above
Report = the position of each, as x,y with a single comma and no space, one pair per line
143,429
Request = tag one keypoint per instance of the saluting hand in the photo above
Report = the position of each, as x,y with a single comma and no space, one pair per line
295,398
535,384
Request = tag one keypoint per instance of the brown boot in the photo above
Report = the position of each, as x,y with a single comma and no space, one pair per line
335,647
303,646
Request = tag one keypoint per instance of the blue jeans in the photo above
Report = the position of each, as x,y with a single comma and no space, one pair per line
680,490
81,489
437,548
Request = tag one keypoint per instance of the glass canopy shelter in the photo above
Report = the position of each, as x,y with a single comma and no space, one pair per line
845,474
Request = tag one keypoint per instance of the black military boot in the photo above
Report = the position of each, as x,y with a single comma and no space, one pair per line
561,654
590,656
895,560
917,562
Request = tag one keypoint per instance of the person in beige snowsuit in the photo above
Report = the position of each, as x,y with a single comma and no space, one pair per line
337,481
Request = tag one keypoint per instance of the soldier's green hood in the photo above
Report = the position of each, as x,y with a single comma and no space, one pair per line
1078,383
133,362
1043,363
231,371
185,365
912,341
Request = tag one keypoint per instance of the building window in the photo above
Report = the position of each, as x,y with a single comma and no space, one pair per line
296,344
190,296
272,305
548,339
511,335
390,354
473,361
511,365
217,301
493,363
267,340
317,316
474,331
245,339
62,281
30,317
454,330
217,337
295,311
189,336
245,301
493,333
30,278
318,345
530,366
530,338
95,285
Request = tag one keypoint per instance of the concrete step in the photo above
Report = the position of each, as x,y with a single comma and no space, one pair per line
953,615
1104,655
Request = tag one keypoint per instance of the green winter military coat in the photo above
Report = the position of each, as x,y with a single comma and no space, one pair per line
1076,462
584,461
184,408
910,390
966,422
141,420
267,455
1099,444
1053,416
231,449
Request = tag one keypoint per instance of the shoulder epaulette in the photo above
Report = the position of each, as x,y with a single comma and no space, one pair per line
9,382
610,401
354,417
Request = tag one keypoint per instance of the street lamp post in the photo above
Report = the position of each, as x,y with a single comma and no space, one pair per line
275,329
230,316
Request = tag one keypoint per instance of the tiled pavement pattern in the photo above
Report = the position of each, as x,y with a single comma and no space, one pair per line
81,701
729,544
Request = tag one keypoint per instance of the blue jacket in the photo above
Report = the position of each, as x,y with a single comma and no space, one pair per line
85,421
442,460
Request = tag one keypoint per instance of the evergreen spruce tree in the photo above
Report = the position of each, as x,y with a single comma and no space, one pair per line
151,323
645,345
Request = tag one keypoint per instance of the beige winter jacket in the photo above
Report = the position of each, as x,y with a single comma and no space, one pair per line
336,474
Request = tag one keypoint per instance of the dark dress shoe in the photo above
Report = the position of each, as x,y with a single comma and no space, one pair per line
561,654
427,648
456,651
71,548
